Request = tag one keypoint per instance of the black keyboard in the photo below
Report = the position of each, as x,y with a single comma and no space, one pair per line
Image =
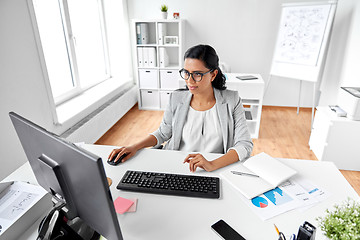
170,184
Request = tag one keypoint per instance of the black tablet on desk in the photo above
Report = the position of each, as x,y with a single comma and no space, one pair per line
246,77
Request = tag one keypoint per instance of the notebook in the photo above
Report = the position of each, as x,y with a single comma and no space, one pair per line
271,173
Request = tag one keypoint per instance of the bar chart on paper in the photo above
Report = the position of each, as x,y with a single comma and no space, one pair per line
278,196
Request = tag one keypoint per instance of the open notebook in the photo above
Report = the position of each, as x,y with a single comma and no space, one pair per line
271,173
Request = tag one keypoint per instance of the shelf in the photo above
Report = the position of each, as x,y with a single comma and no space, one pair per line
147,45
155,68
169,45
250,101
248,115
158,45
172,66
151,95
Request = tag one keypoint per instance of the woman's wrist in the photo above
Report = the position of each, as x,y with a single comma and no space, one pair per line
215,164
150,141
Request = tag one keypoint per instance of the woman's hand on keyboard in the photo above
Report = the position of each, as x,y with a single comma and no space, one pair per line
197,160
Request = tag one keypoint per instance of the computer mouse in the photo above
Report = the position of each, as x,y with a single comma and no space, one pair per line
112,161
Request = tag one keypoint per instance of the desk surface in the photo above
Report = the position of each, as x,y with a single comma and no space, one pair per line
161,217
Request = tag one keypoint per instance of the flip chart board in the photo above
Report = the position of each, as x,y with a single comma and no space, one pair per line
302,40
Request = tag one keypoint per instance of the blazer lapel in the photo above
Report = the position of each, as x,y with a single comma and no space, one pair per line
180,118
222,109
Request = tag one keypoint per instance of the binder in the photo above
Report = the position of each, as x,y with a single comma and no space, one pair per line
140,51
138,33
161,33
144,31
163,57
151,56
145,57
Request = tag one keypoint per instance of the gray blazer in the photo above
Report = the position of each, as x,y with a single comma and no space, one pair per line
232,122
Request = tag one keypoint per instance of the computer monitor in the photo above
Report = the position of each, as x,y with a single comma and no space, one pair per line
70,174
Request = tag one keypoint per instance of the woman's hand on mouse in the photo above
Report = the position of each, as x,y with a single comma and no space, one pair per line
130,151
197,160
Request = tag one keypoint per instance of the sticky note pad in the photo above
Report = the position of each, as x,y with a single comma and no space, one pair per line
133,207
122,204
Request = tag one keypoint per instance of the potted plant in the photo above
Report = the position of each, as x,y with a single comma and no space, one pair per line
343,222
164,10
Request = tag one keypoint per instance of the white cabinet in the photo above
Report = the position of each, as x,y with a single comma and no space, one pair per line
336,139
159,57
251,93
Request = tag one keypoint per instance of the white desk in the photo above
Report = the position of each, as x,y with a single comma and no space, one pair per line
165,217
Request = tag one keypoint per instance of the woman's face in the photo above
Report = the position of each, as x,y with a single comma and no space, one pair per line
197,66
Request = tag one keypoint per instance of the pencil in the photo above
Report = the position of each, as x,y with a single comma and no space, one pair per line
277,230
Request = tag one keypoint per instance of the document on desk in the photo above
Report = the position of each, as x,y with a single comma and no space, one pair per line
305,191
15,200
270,173
288,196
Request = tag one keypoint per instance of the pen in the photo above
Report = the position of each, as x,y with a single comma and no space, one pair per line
245,174
281,235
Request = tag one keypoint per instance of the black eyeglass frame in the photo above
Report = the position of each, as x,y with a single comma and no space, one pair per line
192,74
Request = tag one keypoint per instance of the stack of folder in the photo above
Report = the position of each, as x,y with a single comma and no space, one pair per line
146,56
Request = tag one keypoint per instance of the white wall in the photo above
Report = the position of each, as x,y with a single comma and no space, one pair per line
244,34
23,86
336,63
351,71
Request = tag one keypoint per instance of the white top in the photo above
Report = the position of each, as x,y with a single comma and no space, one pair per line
202,132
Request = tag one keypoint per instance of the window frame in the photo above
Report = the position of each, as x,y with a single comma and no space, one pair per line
70,41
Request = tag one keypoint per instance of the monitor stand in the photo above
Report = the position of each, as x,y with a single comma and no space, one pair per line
57,226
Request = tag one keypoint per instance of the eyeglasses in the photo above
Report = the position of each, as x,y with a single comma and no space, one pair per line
196,76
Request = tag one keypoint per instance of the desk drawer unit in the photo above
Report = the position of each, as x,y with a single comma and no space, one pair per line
336,139
319,133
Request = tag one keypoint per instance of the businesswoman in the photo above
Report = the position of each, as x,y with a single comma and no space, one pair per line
204,118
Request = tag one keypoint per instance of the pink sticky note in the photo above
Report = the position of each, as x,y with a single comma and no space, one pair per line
133,207
122,204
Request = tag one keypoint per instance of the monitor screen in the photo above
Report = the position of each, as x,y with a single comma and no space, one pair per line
81,180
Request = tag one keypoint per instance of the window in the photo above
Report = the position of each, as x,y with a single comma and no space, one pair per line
74,42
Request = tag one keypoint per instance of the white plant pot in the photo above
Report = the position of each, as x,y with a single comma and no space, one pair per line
164,15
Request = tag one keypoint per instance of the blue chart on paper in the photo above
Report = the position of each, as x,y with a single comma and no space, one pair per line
277,196
260,202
